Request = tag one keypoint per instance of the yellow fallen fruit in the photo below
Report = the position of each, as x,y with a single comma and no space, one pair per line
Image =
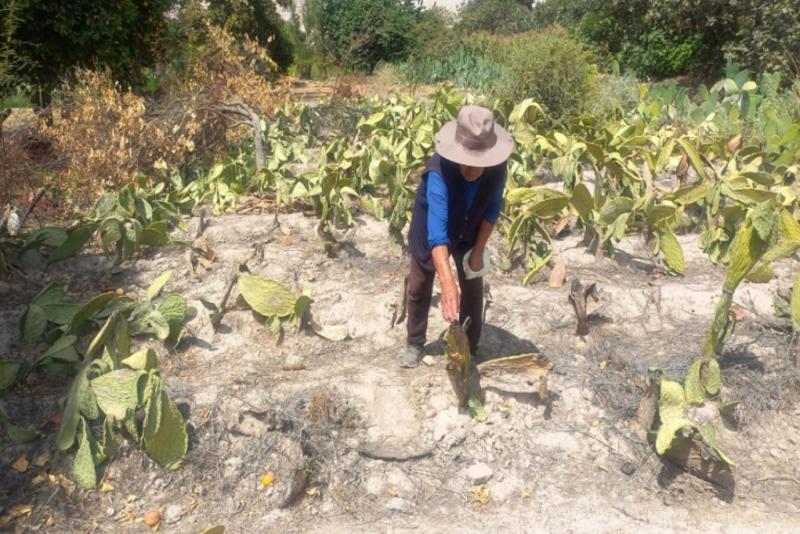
152,518
43,459
267,479
21,465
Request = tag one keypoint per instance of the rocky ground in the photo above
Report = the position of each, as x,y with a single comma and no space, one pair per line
571,464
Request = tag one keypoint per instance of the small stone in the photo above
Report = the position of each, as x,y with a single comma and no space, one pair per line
456,437
232,466
480,430
174,513
446,421
571,399
441,400
429,360
397,504
256,402
479,473
207,396
374,484
399,480
528,422
503,490
559,441
110,512
250,426
628,468
293,362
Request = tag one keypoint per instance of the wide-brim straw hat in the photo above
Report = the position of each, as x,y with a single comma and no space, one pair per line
474,139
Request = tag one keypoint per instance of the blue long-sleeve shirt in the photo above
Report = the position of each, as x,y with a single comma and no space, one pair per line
437,205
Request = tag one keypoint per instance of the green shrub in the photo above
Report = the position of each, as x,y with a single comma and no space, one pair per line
464,63
549,66
661,54
434,28
613,95
310,65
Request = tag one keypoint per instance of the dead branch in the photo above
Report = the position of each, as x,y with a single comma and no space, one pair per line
488,299
19,224
534,365
382,452
691,454
216,317
246,115
36,199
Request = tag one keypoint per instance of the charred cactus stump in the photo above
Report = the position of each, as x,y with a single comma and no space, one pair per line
400,308
578,297
463,373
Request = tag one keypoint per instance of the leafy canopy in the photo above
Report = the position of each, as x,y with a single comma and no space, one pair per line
360,33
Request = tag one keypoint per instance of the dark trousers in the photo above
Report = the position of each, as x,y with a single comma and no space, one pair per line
420,291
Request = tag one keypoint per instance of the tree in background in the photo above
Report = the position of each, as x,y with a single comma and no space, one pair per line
660,38
120,34
565,13
127,36
647,39
12,64
761,35
358,34
496,16
258,19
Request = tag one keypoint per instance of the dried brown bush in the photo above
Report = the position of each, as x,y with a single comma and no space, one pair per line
228,71
25,156
108,135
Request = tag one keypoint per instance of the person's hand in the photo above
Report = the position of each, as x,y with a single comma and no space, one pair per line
450,301
475,261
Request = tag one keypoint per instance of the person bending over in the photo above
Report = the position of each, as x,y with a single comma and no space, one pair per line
456,207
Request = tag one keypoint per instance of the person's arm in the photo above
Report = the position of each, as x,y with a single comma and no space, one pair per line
450,304
436,194
439,244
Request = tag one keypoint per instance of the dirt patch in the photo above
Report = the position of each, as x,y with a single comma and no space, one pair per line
570,464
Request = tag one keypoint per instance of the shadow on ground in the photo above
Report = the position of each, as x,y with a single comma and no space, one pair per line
495,343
